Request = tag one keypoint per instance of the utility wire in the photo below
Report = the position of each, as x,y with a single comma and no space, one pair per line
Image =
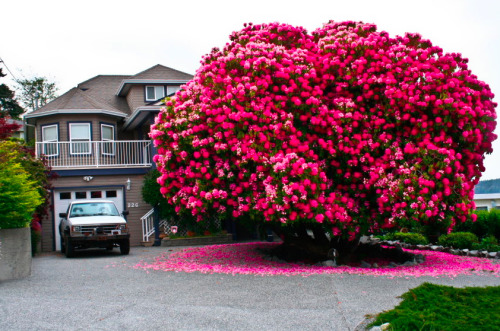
5,64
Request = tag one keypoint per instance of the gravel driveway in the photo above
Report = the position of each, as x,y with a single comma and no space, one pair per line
99,290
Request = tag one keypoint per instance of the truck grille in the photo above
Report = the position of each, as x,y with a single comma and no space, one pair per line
93,229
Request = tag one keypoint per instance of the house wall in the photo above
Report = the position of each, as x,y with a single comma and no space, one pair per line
64,119
135,97
489,203
133,203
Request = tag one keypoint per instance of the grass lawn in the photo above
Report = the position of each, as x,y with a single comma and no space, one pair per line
436,307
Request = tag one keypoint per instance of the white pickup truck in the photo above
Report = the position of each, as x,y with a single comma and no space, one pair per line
93,223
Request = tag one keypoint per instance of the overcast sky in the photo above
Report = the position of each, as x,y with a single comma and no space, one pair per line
72,41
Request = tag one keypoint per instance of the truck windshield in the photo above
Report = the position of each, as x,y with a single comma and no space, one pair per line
93,209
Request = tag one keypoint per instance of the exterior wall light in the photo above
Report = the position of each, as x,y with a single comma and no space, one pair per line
129,184
88,178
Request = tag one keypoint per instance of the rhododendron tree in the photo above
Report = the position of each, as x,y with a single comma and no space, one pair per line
343,132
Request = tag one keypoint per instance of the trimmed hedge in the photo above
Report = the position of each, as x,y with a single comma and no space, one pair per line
458,240
486,225
408,237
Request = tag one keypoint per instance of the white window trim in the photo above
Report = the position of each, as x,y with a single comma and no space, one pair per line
155,96
80,141
56,141
104,141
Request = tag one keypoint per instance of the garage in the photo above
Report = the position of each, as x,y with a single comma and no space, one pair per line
63,196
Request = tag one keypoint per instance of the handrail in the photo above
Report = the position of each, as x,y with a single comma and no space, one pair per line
148,228
96,154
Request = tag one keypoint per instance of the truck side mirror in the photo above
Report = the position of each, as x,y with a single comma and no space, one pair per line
63,215
125,213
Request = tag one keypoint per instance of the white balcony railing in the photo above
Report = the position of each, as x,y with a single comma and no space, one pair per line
96,154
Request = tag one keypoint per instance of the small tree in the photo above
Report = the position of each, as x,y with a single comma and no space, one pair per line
36,92
19,196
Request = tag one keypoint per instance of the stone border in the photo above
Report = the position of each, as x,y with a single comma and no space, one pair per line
437,248
197,241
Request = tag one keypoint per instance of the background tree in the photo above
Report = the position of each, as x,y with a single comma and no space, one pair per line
8,104
36,92
339,133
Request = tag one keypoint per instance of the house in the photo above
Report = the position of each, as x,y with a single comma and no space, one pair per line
18,133
95,138
487,194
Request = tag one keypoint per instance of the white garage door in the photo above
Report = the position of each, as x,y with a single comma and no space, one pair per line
63,197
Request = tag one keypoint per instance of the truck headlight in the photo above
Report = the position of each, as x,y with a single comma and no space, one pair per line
76,229
122,227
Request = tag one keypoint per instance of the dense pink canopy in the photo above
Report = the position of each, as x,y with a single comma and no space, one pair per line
346,127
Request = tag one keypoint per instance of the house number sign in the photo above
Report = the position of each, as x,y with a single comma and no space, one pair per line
132,204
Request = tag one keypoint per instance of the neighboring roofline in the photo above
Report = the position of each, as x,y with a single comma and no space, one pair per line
486,196
76,111
139,111
122,88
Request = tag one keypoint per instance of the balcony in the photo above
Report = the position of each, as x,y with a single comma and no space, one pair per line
96,154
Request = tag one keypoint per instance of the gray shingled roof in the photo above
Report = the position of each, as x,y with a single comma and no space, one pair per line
161,72
100,92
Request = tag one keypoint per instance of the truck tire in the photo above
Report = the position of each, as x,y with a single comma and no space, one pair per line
70,250
125,247
63,246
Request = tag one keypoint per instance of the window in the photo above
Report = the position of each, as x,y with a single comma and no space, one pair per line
107,137
95,194
50,139
110,194
172,89
79,135
482,208
154,93
80,195
65,196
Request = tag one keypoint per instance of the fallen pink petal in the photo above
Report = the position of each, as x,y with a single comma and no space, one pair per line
247,259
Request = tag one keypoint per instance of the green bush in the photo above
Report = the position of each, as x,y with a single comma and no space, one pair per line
487,244
459,240
19,196
408,237
487,224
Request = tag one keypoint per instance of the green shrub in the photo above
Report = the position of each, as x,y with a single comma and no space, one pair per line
487,244
408,237
19,197
487,224
459,240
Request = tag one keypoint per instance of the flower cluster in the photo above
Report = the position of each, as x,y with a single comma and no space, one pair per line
346,127
247,260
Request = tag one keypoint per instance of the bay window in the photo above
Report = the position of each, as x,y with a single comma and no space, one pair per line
50,138
79,136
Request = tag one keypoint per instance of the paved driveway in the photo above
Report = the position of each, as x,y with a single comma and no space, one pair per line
99,290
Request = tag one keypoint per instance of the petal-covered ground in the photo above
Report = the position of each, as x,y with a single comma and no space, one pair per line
247,259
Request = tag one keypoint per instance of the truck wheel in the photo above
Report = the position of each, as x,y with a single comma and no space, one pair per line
63,247
125,247
70,250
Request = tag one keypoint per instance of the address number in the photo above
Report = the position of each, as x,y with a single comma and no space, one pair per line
132,204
